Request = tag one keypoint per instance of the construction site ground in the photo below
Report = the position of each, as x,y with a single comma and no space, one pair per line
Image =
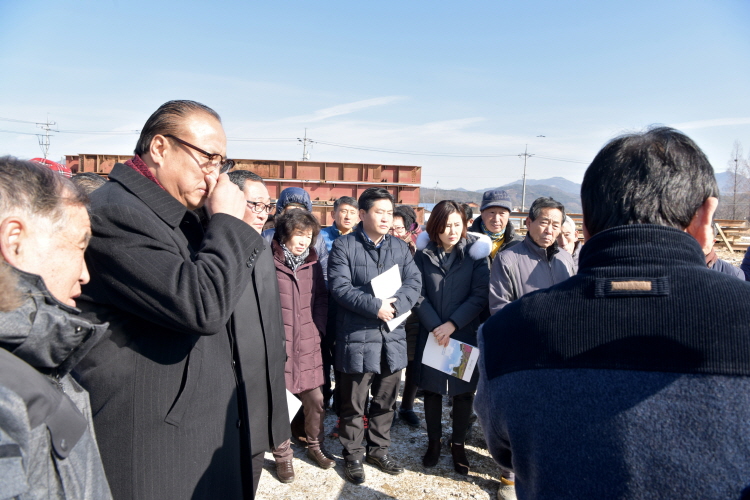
408,445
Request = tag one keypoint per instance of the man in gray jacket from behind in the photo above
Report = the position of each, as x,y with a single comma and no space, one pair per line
47,444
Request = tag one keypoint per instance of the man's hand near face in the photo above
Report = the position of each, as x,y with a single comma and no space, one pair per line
224,197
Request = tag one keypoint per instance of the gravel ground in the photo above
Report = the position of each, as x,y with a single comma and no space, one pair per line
734,258
408,445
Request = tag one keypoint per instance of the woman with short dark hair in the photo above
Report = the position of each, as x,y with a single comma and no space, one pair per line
455,289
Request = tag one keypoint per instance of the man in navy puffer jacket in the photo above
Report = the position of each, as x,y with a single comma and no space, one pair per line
367,353
640,393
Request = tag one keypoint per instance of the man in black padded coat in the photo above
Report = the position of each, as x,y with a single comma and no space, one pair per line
166,385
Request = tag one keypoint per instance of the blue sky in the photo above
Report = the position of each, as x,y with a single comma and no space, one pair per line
468,78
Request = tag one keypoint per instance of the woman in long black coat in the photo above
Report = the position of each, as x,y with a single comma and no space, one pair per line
455,288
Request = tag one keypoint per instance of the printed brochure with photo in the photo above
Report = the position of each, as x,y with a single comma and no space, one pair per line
457,359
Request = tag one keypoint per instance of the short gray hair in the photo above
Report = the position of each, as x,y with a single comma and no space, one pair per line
36,190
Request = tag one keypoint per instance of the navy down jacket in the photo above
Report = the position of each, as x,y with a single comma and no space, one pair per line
361,338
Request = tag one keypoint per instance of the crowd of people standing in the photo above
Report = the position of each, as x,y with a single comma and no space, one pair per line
154,329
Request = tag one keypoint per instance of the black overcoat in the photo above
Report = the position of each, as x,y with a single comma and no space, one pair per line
459,295
162,382
262,348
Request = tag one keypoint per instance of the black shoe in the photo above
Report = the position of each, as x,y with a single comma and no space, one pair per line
460,462
409,417
386,464
432,456
354,471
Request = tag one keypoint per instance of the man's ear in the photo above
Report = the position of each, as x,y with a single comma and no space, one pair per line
700,226
158,149
586,235
12,235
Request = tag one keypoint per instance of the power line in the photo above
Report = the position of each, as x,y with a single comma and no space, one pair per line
94,132
563,159
414,153
20,133
17,121
261,139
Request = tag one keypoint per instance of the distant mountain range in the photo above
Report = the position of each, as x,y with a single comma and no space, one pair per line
565,191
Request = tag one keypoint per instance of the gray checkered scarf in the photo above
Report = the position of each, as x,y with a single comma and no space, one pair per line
294,261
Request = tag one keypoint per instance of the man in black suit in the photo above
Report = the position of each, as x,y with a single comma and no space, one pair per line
166,382
263,355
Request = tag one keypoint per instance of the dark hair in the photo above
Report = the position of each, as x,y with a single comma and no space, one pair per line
36,190
240,177
543,202
370,195
167,120
293,220
345,200
439,219
408,215
656,177
468,212
88,182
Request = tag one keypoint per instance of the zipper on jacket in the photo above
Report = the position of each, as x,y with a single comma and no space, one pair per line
55,378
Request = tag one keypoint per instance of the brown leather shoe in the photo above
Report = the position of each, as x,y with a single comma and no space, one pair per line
285,471
319,456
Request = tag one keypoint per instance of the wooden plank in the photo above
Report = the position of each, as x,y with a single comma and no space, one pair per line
724,237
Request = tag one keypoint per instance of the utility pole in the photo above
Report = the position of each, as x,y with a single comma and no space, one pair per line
525,155
44,139
434,192
305,141
734,191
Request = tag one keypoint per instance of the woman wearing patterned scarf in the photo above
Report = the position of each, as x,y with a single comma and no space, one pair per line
304,305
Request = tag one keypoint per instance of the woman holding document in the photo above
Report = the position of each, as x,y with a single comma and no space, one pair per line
455,288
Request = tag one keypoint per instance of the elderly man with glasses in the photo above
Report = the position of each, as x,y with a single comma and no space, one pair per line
167,382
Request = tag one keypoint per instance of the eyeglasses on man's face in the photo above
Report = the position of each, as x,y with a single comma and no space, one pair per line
215,160
259,207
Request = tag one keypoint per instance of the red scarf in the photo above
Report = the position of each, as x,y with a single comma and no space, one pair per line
140,166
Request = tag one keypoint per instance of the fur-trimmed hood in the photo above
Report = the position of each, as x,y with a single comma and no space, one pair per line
479,245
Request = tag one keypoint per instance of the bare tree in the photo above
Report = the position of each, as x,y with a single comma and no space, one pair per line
737,188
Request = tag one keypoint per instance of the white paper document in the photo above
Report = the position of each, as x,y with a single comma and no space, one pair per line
385,286
458,359
293,405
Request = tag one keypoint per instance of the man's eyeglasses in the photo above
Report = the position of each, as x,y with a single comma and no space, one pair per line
215,160
258,206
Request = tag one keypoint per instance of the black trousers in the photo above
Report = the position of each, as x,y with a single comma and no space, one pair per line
433,413
353,393
257,462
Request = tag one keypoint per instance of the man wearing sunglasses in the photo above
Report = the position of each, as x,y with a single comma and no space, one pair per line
166,381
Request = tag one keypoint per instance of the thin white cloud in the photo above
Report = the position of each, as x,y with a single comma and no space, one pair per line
716,122
343,109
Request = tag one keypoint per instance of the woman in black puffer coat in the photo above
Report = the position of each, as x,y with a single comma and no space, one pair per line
455,289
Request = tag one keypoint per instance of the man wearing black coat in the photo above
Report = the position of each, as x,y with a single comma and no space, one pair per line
262,355
166,382
368,353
